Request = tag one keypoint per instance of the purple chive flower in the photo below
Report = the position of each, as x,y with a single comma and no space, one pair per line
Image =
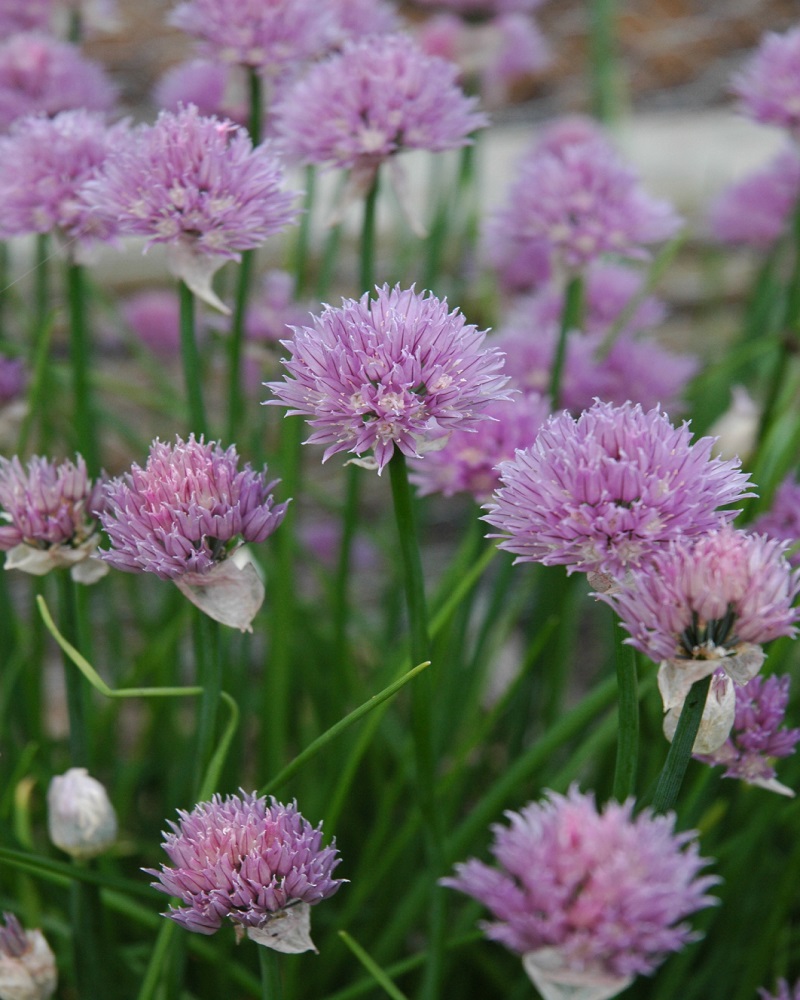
197,185
153,316
41,75
273,310
606,893
768,87
782,521
361,18
700,598
757,210
758,734
203,83
603,492
468,462
12,380
270,37
397,371
50,514
186,510
27,965
374,99
785,992
250,860
24,15
44,165
488,7
578,200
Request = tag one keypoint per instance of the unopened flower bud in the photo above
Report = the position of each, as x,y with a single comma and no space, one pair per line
27,965
81,819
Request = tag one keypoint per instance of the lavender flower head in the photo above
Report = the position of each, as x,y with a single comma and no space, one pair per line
758,735
785,992
44,165
204,83
269,36
768,87
24,15
782,520
375,98
12,380
27,965
250,860
397,371
468,462
604,895
49,517
197,185
41,75
757,210
184,517
577,200
602,493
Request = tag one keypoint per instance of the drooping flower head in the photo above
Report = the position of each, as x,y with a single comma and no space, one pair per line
785,991
44,165
468,462
759,735
396,371
27,965
768,87
269,36
577,200
250,860
601,893
757,210
80,818
603,492
49,517
185,515
782,520
39,74
197,185
375,98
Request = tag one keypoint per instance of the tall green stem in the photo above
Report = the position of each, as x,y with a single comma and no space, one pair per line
571,318
190,356
300,265
80,358
628,718
672,774
366,271
271,987
606,83
77,702
208,664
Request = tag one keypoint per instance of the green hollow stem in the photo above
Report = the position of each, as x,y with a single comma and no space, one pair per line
301,254
271,986
208,663
606,83
77,702
627,761
674,770
571,318
341,596
190,357
93,974
80,359
366,269
422,702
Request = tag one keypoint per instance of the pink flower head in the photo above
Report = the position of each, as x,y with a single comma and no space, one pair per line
374,99
12,379
41,75
602,493
269,36
50,514
361,18
607,891
758,735
186,510
469,8
702,597
397,371
24,15
205,84
44,165
247,859
768,87
153,315
468,462
197,185
782,521
785,991
273,311
578,200
757,210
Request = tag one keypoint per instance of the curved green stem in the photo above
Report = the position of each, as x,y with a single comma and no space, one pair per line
77,704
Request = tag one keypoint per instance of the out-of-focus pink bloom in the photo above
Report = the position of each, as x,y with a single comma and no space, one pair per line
12,380
576,890
24,15
41,75
757,210
396,371
204,83
489,8
768,87
605,492
782,520
785,991
154,316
